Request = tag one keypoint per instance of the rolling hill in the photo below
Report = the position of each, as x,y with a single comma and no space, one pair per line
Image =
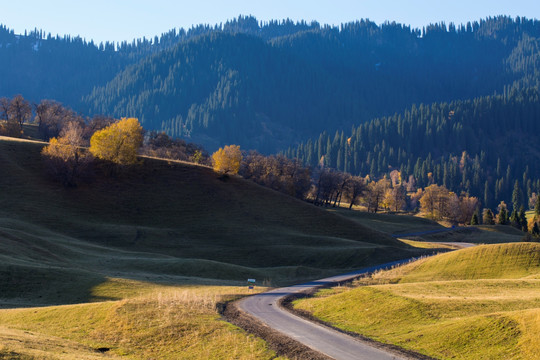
138,265
164,221
475,303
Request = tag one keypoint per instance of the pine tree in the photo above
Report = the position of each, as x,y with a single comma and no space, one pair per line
516,196
535,230
502,216
487,199
514,219
487,217
523,220
537,206
474,219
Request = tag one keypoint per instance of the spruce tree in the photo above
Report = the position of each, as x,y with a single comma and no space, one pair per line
502,216
535,230
487,199
523,219
474,219
487,217
537,206
516,196
514,219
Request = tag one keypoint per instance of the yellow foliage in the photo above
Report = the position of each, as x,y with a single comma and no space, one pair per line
65,157
227,160
67,147
118,142
56,149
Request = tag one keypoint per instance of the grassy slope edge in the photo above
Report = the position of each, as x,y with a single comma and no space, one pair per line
475,303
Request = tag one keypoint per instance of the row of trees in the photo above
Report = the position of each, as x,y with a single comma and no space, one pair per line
69,160
327,187
120,142
51,118
160,145
481,147
69,133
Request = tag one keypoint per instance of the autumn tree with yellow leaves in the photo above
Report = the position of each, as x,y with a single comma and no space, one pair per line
227,159
66,159
119,142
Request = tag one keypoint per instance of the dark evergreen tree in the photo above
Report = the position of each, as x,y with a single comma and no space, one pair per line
514,219
517,196
487,217
502,216
535,230
523,219
474,219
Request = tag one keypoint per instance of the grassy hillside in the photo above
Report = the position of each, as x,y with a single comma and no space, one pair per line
504,261
185,212
481,234
161,322
389,223
145,258
475,303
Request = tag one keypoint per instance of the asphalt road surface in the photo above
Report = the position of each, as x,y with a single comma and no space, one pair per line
335,344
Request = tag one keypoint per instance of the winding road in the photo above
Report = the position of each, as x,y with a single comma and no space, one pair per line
340,346
330,342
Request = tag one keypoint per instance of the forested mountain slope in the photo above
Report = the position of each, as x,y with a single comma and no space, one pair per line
268,86
39,65
479,146
234,87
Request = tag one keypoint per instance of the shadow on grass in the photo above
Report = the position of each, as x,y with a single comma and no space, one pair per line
25,286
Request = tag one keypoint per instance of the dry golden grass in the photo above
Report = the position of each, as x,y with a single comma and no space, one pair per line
427,245
476,303
166,323
114,248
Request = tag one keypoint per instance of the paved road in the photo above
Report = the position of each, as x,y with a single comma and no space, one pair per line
459,245
330,342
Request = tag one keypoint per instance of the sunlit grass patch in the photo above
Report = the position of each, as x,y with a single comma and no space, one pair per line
167,322
475,303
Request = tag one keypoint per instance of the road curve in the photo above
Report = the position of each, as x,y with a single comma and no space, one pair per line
265,307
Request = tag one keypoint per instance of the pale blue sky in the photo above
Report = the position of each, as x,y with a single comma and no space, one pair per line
117,20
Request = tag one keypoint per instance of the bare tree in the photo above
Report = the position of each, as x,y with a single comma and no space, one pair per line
99,122
51,117
354,190
324,186
396,197
278,173
11,127
375,193
4,108
341,180
20,110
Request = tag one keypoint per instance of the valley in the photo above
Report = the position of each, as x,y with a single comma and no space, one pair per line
270,189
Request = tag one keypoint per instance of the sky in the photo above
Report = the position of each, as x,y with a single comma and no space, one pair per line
118,20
